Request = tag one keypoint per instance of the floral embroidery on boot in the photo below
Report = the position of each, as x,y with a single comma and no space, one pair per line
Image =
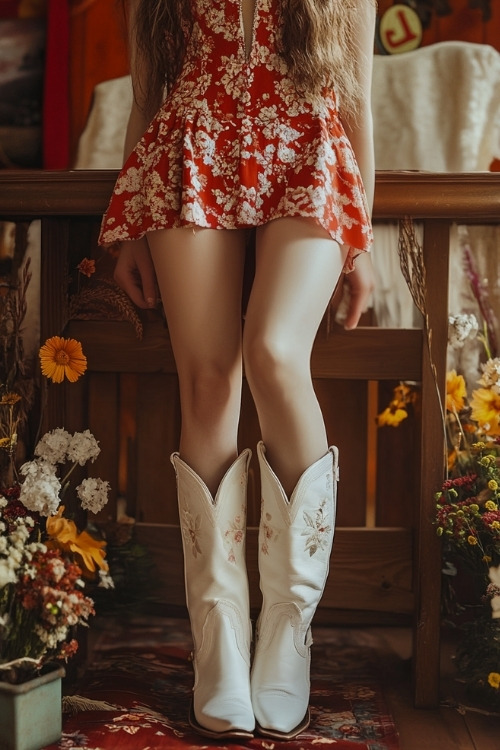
269,532
191,526
318,529
235,534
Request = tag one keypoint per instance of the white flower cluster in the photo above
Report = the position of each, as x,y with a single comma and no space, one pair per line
40,491
59,446
461,328
491,375
494,574
93,494
15,554
41,487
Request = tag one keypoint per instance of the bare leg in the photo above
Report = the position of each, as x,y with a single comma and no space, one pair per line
297,267
200,274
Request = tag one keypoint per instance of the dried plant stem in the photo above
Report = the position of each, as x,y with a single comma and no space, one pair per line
411,258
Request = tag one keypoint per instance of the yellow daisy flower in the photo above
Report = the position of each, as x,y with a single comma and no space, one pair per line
485,406
60,358
455,391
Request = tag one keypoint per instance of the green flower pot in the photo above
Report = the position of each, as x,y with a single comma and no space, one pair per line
31,713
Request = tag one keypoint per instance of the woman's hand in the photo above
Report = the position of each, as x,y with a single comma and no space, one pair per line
361,283
135,274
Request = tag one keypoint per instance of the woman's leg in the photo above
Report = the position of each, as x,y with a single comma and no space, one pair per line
297,268
200,275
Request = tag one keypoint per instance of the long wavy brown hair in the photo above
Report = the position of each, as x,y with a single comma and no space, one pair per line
315,40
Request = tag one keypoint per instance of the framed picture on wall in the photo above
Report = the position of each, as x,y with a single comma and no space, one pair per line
22,61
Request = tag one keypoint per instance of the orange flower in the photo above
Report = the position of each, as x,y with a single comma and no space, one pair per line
485,405
455,391
86,267
60,358
65,535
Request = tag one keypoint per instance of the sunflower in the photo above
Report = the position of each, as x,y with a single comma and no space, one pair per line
455,392
60,358
485,405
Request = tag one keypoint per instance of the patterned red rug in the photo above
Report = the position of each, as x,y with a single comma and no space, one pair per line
135,696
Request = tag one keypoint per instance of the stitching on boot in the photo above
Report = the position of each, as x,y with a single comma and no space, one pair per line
241,629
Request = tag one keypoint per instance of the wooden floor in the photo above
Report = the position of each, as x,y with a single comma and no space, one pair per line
455,725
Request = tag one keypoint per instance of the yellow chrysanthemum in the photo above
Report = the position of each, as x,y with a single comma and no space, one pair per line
60,358
485,405
472,540
391,416
455,391
65,535
494,680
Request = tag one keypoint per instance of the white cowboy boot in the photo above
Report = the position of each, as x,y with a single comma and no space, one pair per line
295,542
213,539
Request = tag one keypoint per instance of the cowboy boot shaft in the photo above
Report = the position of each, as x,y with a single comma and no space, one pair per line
295,542
217,597
213,537
296,534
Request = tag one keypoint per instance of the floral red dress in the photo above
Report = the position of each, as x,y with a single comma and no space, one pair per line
235,145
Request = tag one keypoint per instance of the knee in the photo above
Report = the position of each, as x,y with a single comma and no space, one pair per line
270,364
207,392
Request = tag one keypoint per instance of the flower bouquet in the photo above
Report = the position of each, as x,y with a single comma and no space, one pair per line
46,561
467,516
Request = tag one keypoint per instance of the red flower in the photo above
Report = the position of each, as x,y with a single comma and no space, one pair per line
86,267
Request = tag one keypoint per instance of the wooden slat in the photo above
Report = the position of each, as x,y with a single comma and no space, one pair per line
344,408
368,354
157,437
362,354
53,288
427,559
103,422
128,354
377,577
467,197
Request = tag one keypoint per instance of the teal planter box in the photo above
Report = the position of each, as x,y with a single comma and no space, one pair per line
31,713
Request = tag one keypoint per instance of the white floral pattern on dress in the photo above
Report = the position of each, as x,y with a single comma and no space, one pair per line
235,145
